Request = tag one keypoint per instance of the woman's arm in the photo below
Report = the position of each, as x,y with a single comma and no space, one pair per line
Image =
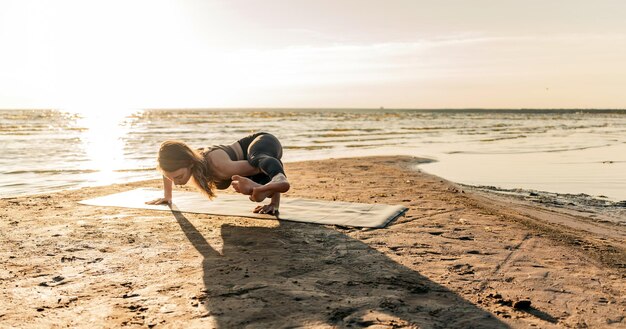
167,193
271,208
167,188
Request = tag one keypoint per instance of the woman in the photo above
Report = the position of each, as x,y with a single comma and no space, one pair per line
251,165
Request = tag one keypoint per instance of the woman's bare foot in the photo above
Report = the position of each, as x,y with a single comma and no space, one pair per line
243,185
278,184
258,192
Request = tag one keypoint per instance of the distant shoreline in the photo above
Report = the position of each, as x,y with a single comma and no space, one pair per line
615,210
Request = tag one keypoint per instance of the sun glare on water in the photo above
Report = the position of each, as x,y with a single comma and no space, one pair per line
103,140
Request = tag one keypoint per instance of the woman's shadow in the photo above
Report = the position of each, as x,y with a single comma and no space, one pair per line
287,276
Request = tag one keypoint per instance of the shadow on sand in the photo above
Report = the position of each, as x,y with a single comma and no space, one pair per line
287,276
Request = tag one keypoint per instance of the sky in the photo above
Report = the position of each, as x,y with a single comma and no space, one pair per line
100,55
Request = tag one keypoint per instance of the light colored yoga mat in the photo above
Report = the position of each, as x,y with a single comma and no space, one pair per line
291,209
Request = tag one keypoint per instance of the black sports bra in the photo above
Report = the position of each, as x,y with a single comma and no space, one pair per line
244,143
223,184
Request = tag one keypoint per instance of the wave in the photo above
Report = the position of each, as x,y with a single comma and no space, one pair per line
502,138
369,133
70,171
396,138
309,148
535,151
365,146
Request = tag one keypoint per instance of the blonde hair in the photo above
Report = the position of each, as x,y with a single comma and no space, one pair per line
174,155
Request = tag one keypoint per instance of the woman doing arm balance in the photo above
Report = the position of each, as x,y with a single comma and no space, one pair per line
251,165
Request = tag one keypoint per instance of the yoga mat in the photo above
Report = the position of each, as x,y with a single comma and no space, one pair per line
291,209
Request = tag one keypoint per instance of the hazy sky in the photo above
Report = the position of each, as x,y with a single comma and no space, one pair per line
338,53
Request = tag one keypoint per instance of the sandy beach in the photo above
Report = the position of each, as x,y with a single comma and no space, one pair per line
461,257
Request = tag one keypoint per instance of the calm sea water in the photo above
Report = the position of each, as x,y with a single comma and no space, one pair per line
556,151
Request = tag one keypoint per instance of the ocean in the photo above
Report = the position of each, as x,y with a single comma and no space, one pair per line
560,151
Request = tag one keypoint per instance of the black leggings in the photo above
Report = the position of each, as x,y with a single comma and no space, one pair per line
263,151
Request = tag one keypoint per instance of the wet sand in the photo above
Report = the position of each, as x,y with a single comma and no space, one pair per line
461,257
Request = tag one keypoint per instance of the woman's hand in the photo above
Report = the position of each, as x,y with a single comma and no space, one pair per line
269,209
160,201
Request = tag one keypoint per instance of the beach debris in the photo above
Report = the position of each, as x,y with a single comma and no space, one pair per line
65,301
523,304
57,280
70,259
461,269
97,260
137,308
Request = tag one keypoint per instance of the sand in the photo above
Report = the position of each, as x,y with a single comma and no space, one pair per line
459,258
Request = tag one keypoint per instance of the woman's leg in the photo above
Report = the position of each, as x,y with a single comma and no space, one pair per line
264,152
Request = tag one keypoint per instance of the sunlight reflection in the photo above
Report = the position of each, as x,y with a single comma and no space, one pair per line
103,141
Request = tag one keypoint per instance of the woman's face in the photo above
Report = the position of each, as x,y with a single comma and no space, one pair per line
180,176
